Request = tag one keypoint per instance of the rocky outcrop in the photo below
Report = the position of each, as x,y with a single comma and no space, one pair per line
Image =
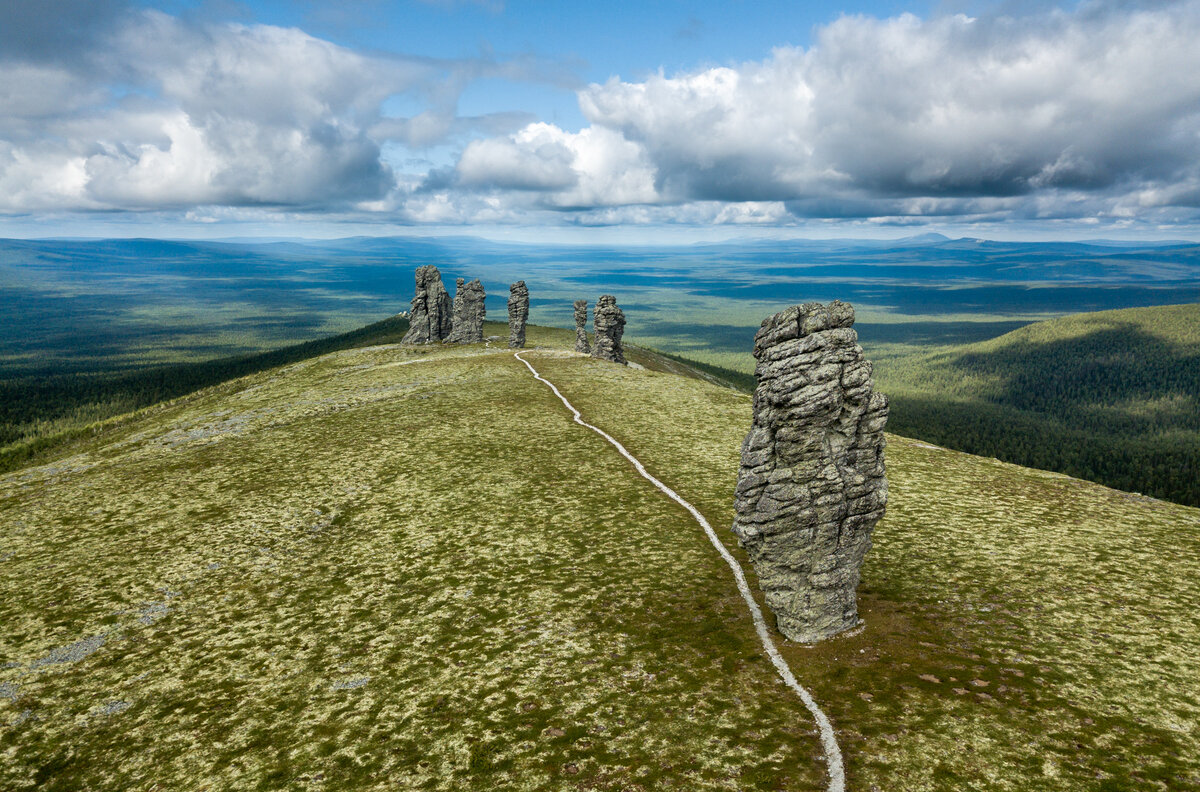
429,320
518,313
608,325
581,339
467,325
811,485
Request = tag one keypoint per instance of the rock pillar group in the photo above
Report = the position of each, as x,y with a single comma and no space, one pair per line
608,324
811,486
518,313
429,320
581,339
467,325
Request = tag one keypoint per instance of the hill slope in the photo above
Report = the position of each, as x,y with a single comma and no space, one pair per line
1112,396
408,568
39,411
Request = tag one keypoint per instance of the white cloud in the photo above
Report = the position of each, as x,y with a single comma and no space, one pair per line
594,167
952,107
224,114
1062,114
1091,113
168,114
534,159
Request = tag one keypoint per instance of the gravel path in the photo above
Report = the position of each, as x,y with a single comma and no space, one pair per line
833,755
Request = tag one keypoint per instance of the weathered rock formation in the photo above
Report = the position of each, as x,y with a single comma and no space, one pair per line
518,313
467,325
608,325
581,339
429,320
811,484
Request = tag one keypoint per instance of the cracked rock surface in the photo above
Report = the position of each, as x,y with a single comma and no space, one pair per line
467,324
811,486
581,339
429,320
518,313
608,325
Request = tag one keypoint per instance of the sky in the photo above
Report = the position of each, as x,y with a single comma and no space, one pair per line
625,120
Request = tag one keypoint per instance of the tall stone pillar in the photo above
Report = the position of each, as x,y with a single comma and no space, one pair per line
429,320
518,313
467,327
811,486
608,325
581,339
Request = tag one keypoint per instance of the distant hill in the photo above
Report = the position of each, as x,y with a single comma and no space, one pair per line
1112,396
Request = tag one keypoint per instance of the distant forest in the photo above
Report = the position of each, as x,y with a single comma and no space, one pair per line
1112,397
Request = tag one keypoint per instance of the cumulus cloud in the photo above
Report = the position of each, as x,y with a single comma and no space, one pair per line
157,112
594,167
225,114
535,159
1090,112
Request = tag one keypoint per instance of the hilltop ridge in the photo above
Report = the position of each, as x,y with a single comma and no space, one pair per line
389,566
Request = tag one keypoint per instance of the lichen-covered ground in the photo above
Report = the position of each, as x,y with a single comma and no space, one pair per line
393,568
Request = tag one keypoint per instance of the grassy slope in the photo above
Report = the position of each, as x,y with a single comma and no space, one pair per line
353,572
41,412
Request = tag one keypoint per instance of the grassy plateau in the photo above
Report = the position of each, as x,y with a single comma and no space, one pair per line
387,567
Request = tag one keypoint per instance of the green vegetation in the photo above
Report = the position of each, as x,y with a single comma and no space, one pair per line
1025,630
41,411
1112,397
82,321
388,568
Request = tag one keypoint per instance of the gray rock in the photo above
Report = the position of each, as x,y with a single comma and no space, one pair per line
518,313
811,486
115,707
350,684
608,325
72,653
429,320
581,339
467,325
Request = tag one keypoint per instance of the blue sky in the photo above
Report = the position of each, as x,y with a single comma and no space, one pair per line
591,42
636,120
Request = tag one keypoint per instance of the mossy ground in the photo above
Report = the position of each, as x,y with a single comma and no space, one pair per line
407,568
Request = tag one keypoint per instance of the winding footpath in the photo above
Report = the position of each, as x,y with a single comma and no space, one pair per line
833,755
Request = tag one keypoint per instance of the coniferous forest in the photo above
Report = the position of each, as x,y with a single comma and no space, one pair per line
1112,397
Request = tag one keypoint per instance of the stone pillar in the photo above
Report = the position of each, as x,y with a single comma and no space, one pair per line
429,319
608,325
518,313
469,311
581,339
811,486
